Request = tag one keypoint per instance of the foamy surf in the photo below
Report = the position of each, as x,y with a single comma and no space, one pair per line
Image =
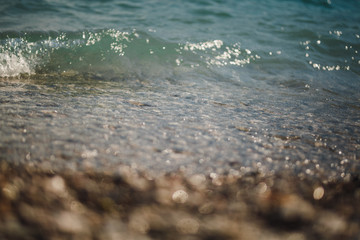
13,65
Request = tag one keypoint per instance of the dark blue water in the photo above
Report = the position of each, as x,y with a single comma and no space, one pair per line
210,86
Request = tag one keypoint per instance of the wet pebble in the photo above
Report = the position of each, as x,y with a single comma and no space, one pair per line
71,223
180,196
93,205
318,193
188,226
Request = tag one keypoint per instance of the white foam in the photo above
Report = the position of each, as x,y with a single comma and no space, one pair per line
12,65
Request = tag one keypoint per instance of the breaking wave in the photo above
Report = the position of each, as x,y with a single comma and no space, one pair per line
111,52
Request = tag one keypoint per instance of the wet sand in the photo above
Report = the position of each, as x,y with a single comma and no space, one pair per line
125,204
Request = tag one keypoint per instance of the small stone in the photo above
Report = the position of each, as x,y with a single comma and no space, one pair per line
56,185
198,180
139,224
180,196
206,208
293,207
10,191
188,226
71,223
332,223
318,193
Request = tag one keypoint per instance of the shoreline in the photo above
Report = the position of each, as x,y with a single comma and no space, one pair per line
40,204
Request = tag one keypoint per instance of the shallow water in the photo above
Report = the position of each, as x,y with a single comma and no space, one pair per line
203,86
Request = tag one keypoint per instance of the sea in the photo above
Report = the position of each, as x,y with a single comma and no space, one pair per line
211,86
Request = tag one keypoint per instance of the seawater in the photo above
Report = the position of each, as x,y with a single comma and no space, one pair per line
200,86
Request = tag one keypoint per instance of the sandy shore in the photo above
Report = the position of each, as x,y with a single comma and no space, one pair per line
37,204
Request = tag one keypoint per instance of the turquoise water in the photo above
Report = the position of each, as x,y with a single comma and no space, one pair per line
209,86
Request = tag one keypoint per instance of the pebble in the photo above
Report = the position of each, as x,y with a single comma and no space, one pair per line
187,226
71,223
180,196
318,193
93,205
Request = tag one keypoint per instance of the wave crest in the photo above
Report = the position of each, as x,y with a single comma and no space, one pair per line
111,51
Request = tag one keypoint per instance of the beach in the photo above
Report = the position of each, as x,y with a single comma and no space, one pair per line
180,119
126,204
